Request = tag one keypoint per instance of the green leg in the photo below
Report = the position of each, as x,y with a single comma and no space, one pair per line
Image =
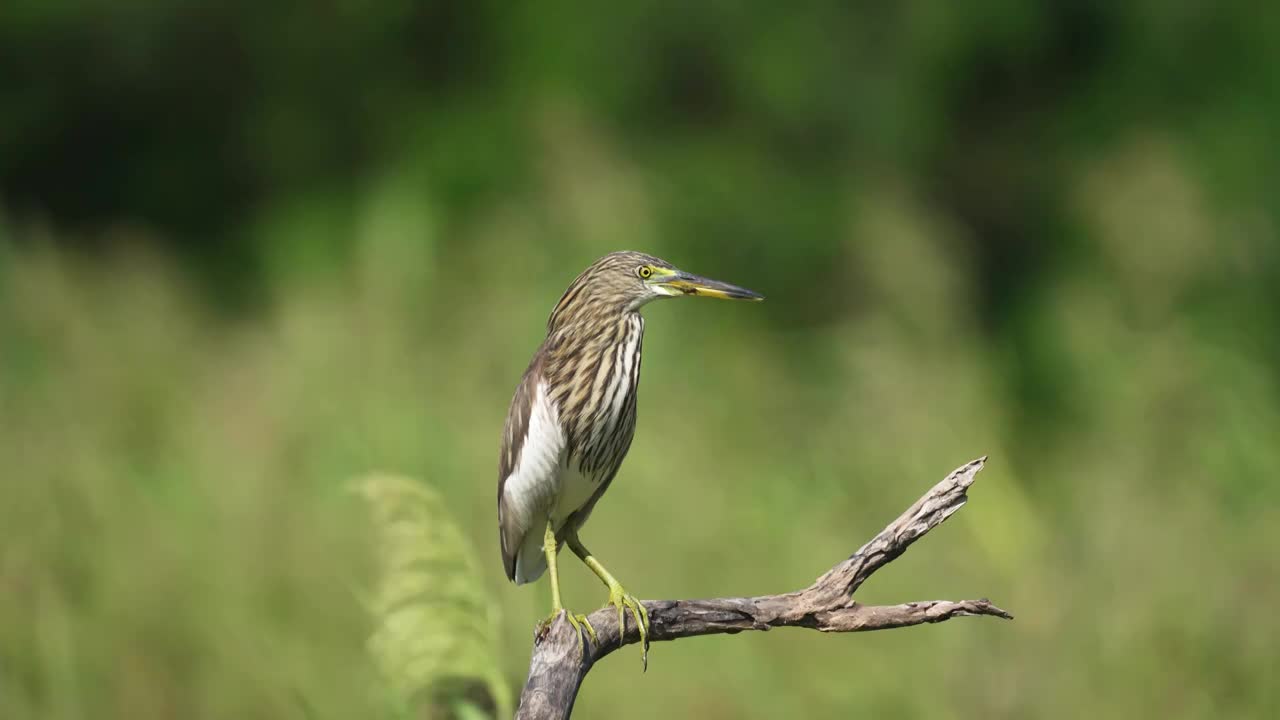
618,596
577,621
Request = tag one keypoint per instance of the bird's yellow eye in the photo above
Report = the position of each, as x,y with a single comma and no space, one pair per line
644,271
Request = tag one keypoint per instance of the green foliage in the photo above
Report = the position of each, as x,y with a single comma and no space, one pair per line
249,252
436,636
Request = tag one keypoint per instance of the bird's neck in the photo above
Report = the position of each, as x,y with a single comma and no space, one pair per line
596,334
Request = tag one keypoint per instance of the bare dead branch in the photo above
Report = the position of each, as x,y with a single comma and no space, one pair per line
558,665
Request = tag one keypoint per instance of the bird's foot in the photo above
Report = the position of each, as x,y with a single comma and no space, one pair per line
623,600
578,621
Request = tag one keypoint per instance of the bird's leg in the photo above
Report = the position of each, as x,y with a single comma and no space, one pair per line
618,596
577,621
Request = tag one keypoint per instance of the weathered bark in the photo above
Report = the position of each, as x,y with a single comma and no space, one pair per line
559,665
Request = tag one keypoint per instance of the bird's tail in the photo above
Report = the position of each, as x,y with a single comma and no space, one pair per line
530,562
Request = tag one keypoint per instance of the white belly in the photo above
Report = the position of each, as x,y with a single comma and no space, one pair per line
575,490
545,486
547,483
572,490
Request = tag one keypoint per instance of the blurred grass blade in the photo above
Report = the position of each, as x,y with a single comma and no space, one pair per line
435,639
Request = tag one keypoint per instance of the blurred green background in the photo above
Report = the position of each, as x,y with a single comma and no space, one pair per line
249,252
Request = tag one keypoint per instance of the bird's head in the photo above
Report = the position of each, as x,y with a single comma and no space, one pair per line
624,281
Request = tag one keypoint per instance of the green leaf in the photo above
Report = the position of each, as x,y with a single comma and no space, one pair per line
435,638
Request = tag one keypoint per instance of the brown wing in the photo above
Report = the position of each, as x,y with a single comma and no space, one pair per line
510,534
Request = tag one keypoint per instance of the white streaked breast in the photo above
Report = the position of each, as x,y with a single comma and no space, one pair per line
622,379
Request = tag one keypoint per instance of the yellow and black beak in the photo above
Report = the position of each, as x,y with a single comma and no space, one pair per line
679,282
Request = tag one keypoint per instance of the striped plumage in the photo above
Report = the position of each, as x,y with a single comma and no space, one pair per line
583,379
573,415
